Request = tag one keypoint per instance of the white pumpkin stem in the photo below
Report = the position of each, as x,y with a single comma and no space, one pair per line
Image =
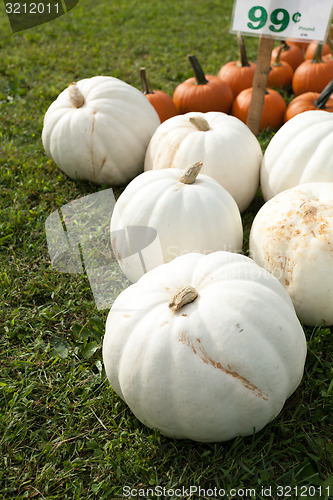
75,95
200,123
190,173
183,296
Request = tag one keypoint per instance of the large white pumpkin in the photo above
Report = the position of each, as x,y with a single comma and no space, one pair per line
292,237
206,347
300,152
98,129
230,152
188,212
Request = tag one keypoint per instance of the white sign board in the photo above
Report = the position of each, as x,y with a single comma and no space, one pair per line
297,19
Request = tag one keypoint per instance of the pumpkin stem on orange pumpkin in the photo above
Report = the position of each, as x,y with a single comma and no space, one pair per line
75,95
197,70
182,297
284,45
243,60
317,56
276,61
144,82
320,103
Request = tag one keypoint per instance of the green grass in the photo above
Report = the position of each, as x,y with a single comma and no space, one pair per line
64,433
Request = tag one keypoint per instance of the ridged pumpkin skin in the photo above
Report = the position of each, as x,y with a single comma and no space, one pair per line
200,216
300,152
292,237
313,75
228,149
280,75
202,92
238,77
220,366
99,129
273,109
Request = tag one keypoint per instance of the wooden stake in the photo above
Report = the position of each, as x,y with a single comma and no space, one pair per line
263,63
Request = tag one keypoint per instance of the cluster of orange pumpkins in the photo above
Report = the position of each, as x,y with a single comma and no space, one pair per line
305,68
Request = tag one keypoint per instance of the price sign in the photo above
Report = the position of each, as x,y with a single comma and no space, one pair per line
299,19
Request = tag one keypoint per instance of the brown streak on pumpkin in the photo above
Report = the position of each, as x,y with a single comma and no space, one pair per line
102,165
94,121
201,352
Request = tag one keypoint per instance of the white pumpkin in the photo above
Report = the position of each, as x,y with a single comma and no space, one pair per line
300,152
98,129
230,152
188,212
292,237
206,347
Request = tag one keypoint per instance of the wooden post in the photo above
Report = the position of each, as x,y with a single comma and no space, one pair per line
265,48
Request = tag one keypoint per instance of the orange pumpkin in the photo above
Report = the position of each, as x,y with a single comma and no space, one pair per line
273,109
302,45
313,75
202,92
309,101
162,102
312,47
238,74
292,54
281,73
